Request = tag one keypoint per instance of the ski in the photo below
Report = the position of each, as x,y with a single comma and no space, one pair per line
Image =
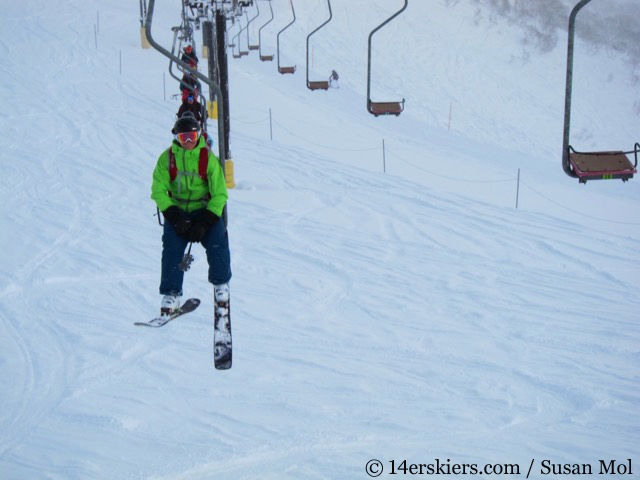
187,307
222,335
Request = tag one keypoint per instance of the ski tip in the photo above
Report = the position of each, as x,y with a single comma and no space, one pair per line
223,362
150,324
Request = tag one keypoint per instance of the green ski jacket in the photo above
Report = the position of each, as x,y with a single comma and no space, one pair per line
188,191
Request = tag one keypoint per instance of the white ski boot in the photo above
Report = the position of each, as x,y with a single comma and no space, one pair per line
221,292
170,305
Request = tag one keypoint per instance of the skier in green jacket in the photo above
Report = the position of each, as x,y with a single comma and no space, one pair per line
190,190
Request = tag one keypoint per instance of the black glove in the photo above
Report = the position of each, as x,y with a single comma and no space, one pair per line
202,224
176,217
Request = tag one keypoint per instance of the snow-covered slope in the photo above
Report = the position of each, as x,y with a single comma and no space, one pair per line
406,314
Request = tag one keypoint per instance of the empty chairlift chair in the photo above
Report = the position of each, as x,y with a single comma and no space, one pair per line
231,43
318,84
253,47
603,165
265,58
236,42
590,165
246,27
236,39
281,69
382,108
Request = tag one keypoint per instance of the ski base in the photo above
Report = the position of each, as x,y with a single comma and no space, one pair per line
187,307
222,351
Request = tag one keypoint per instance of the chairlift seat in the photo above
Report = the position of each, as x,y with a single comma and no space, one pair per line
254,47
602,165
285,70
266,58
386,108
319,85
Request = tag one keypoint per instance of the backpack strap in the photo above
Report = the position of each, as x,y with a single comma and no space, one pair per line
173,168
203,164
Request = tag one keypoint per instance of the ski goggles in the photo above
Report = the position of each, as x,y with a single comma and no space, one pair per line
187,137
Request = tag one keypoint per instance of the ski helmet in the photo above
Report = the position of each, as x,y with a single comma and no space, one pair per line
186,123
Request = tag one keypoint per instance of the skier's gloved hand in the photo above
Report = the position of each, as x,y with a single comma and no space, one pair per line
202,224
176,217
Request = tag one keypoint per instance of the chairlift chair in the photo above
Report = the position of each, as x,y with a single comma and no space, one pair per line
253,47
232,41
240,51
285,70
265,58
213,87
318,84
233,45
382,108
385,108
603,165
176,37
585,166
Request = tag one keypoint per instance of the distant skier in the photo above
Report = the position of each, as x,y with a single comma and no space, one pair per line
190,103
190,84
333,79
189,56
191,194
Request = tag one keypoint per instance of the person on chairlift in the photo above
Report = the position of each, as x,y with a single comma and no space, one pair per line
189,56
191,194
191,104
189,84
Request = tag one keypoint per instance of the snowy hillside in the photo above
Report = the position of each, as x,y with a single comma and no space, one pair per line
404,310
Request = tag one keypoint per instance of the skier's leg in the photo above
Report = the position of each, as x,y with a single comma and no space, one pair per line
216,244
173,247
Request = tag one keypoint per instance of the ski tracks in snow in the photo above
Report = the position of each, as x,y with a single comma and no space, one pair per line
498,269
373,316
